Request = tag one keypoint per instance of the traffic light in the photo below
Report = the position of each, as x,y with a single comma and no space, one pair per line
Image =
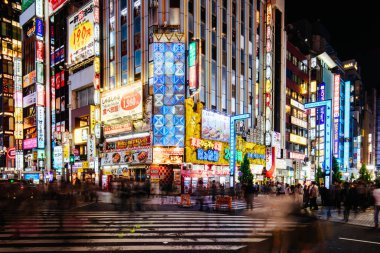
72,158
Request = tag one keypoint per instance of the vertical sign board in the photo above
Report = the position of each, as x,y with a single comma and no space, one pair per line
327,161
347,121
268,75
328,151
336,106
40,127
233,143
194,66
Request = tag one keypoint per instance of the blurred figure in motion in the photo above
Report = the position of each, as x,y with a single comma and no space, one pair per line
313,194
347,198
376,196
298,194
249,193
214,191
200,194
338,196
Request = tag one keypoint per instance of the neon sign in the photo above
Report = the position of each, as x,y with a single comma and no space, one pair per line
336,104
328,161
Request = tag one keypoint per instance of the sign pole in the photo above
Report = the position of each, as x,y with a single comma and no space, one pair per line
233,119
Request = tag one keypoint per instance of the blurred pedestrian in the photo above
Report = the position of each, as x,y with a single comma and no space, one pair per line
313,194
376,196
249,193
200,194
347,198
214,191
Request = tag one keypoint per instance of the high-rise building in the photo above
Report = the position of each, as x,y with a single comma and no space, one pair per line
10,81
369,130
352,74
227,55
377,138
297,94
117,74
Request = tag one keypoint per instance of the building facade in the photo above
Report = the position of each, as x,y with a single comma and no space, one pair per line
10,79
117,73
297,94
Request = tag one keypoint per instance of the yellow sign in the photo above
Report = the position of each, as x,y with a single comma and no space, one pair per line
85,164
66,153
80,135
193,132
298,139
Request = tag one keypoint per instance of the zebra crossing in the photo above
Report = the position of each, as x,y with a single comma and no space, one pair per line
156,231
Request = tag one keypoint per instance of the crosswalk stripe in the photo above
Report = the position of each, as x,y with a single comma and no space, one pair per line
141,231
185,248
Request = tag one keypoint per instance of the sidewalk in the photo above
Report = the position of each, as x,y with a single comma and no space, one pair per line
360,218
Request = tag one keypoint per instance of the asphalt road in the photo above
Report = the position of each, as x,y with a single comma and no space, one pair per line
99,228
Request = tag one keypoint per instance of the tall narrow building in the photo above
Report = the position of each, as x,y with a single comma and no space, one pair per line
10,86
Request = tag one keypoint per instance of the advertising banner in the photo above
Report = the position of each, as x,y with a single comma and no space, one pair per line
29,79
336,111
30,143
123,102
39,27
137,156
41,126
80,135
124,127
91,148
57,155
168,155
194,65
215,126
81,34
128,144
54,5
29,100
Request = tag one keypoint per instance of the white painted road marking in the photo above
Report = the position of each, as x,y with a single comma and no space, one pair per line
355,240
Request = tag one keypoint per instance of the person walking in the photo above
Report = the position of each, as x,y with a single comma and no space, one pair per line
249,192
376,196
347,197
313,192
213,191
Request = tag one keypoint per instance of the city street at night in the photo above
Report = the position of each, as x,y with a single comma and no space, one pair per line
96,227
248,126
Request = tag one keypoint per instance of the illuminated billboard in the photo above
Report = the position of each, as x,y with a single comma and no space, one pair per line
169,93
268,76
347,116
81,34
54,5
122,102
215,126
194,66
327,106
336,110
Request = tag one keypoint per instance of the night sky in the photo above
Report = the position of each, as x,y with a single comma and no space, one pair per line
352,25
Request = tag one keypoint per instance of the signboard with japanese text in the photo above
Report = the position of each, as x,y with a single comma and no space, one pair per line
81,34
128,144
123,102
91,148
124,127
57,156
41,127
336,111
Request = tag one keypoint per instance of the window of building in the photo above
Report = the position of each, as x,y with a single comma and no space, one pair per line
85,97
